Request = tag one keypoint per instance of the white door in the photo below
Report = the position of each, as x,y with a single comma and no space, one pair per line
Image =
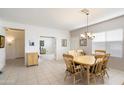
19,48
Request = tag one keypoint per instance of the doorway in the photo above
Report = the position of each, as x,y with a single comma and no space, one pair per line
15,46
47,48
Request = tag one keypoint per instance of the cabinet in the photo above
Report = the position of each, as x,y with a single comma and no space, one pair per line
32,58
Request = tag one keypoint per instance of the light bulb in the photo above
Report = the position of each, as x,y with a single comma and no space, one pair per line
83,36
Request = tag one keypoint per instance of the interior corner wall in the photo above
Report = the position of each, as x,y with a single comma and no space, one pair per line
115,23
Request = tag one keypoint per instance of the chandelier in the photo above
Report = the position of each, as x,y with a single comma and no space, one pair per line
87,34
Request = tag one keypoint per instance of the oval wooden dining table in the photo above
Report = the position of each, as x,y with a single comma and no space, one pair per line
87,61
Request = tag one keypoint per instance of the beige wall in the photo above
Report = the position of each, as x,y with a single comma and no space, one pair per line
112,24
16,48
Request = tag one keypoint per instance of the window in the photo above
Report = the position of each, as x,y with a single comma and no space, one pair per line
99,42
111,41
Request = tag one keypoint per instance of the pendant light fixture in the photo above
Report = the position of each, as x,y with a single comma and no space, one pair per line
87,34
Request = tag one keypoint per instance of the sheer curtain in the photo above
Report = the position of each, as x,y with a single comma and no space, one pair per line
111,41
99,42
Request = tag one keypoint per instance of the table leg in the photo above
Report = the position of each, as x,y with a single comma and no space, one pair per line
88,75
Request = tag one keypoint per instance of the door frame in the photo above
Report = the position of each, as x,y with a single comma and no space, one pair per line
55,44
16,29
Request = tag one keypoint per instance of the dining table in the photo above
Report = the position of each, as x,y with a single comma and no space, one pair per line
87,61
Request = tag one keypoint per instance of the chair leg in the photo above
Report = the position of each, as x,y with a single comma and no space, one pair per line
103,79
66,76
103,73
94,79
107,74
74,79
81,76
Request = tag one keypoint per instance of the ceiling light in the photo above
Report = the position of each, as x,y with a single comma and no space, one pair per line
87,34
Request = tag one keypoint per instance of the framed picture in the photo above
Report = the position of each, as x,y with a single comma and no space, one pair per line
64,42
2,41
83,42
31,43
41,42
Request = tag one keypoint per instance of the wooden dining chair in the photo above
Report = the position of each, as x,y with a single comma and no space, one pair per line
96,69
73,53
80,52
105,67
100,52
71,67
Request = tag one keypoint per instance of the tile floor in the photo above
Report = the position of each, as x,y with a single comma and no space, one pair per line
47,73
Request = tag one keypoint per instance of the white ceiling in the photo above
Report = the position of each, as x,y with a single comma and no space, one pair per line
60,18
